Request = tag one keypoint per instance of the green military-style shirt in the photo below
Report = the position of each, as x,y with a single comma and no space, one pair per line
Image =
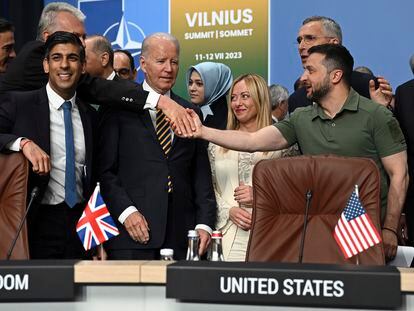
362,128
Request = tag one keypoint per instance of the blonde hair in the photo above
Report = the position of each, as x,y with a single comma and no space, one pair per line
259,93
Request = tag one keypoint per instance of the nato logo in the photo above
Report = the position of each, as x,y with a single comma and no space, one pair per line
125,22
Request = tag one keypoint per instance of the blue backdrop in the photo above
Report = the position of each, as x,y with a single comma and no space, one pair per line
377,32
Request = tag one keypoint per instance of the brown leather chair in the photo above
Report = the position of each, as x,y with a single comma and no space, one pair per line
280,187
13,192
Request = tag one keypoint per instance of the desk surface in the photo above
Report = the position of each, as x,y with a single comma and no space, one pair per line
155,272
122,271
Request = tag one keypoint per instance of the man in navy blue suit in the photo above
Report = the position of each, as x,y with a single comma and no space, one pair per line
404,109
54,131
156,184
7,52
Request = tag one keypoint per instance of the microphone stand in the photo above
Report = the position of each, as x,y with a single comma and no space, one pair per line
308,196
33,195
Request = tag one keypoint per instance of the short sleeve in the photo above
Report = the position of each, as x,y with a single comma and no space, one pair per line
388,136
287,128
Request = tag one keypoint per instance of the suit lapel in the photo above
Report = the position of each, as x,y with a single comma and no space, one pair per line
43,120
176,138
87,131
146,120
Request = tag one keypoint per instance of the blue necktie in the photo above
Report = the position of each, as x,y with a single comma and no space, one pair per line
70,177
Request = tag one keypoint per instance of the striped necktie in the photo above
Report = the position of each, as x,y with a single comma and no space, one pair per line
164,137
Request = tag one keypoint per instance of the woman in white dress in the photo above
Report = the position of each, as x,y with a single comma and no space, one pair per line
248,110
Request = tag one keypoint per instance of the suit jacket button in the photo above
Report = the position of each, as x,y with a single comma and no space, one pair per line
123,98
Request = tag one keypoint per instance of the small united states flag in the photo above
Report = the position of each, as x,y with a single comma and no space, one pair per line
96,224
355,231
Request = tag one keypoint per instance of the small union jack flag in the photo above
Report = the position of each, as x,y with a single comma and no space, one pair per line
96,224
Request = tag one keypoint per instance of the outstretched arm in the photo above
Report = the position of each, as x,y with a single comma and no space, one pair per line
129,96
265,139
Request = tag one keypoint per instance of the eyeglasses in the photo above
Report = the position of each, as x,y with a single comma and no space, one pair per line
308,39
122,72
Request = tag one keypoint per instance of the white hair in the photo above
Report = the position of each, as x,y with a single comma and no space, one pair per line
48,20
159,35
278,93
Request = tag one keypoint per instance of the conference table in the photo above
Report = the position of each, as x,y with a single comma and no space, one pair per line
185,286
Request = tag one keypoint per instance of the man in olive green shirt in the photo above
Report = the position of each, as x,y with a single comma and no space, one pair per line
340,122
361,128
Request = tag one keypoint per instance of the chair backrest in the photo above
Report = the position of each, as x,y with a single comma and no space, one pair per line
280,187
13,192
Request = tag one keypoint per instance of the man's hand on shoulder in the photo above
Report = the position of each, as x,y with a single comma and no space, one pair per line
383,94
36,156
183,123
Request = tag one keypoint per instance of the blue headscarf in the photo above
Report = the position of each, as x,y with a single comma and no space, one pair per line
217,80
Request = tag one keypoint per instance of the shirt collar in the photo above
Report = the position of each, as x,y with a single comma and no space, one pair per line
111,76
351,104
206,110
55,100
147,88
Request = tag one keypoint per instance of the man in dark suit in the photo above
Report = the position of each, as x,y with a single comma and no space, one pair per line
316,30
157,185
404,109
54,130
7,52
99,57
124,65
26,71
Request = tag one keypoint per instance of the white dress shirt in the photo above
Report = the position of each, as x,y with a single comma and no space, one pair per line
55,191
111,76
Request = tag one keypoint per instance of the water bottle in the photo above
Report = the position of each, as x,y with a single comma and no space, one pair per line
216,250
166,254
193,241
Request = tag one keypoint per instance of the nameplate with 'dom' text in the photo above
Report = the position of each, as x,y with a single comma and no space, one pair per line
37,280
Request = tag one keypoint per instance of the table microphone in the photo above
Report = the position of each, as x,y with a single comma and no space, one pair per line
308,197
34,194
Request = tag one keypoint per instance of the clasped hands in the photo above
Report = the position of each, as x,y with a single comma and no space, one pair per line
242,218
184,121
194,128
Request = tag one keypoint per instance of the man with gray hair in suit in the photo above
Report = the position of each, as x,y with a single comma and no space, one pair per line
279,102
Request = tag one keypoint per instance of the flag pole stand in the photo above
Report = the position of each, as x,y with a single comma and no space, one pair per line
357,193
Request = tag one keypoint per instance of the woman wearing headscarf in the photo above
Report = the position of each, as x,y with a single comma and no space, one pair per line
208,84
